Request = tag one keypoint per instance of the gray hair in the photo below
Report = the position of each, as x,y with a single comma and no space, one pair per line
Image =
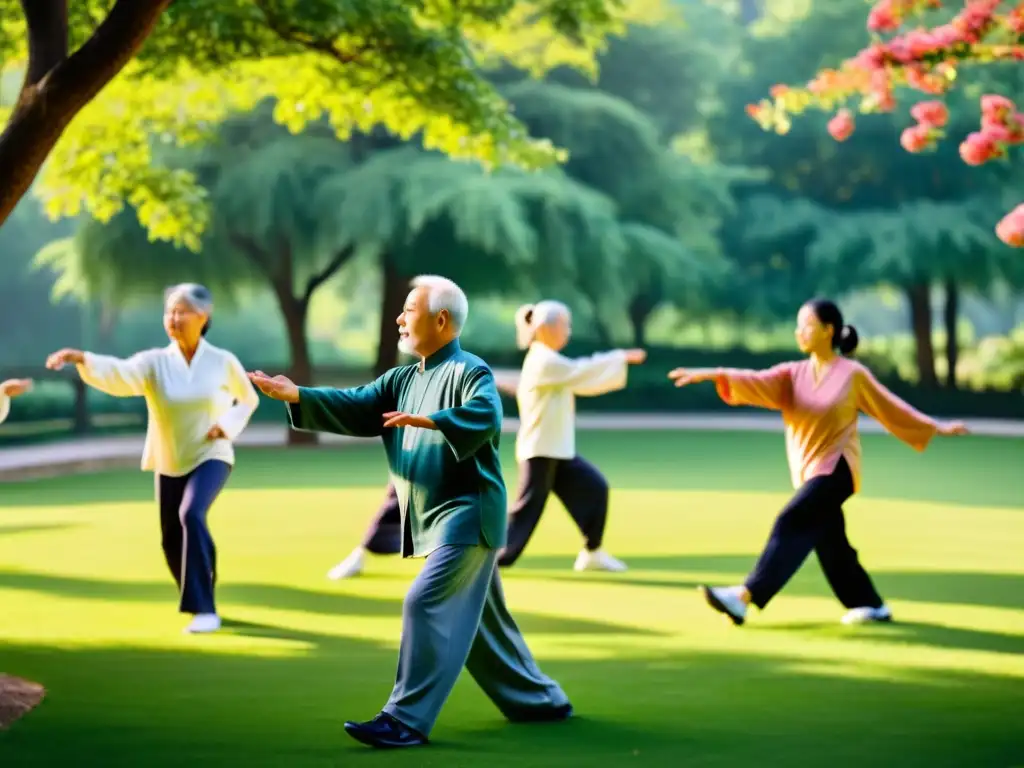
443,293
195,295
530,317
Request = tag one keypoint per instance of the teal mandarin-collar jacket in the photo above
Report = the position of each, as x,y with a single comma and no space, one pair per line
449,480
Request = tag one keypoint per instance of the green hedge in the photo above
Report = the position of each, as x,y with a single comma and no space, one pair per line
49,411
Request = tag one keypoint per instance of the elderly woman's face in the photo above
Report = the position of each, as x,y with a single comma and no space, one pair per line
556,334
183,322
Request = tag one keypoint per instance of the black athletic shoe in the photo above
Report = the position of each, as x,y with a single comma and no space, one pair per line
385,732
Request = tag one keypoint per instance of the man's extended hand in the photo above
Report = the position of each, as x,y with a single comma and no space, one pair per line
278,387
399,419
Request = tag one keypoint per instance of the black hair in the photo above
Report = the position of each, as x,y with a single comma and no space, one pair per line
844,337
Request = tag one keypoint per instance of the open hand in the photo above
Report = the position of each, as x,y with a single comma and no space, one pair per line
950,428
399,419
685,376
216,433
15,387
278,387
59,359
635,356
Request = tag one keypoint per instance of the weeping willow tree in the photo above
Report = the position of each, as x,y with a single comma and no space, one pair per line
916,247
669,207
288,212
494,234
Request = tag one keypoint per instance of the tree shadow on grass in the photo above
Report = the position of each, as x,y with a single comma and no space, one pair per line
193,706
995,590
288,598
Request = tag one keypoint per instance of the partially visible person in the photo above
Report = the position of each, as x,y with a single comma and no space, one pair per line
199,400
10,389
820,398
383,537
546,393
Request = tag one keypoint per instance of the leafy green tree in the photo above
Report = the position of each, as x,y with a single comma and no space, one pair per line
101,77
669,206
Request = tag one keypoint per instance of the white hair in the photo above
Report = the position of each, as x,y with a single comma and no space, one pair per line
530,317
443,293
196,296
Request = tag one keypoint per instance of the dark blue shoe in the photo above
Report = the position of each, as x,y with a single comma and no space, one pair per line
385,732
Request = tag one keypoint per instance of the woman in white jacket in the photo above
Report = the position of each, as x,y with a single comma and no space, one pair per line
10,389
199,400
546,392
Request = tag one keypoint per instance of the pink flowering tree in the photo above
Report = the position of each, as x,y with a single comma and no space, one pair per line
926,60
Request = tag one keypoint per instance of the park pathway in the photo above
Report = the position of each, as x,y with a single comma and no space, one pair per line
89,454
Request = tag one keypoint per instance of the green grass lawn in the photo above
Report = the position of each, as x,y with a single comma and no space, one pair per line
87,609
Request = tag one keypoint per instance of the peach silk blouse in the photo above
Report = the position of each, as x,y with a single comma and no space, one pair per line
820,415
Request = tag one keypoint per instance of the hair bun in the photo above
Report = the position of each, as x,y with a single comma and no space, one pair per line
848,340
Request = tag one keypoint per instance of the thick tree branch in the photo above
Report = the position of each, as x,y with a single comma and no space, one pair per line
47,106
327,272
291,33
47,23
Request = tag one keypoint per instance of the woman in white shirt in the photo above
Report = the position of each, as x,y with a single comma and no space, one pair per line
199,400
10,389
546,392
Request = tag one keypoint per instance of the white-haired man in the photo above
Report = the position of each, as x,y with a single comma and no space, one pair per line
440,421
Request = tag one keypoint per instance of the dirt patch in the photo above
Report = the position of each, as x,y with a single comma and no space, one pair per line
17,698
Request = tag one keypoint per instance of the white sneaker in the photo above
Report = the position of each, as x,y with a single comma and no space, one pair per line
867,615
726,600
203,623
598,560
349,567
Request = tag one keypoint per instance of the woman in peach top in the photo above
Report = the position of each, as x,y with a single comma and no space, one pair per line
820,398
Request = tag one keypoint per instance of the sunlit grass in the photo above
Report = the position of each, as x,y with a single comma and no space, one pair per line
89,611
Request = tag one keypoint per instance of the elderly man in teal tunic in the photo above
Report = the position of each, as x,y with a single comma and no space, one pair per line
440,421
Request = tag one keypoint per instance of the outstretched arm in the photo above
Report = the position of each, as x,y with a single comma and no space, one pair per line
771,388
355,412
474,423
899,418
115,376
585,376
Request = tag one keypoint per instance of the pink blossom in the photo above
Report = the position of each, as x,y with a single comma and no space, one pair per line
933,113
841,126
882,18
916,138
978,148
1011,229
996,107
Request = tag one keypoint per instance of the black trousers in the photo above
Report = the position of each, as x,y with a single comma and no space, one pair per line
577,483
814,520
188,546
384,536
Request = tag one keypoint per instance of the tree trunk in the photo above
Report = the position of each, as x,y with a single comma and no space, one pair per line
58,86
296,312
951,313
919,296
394,291
640,309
